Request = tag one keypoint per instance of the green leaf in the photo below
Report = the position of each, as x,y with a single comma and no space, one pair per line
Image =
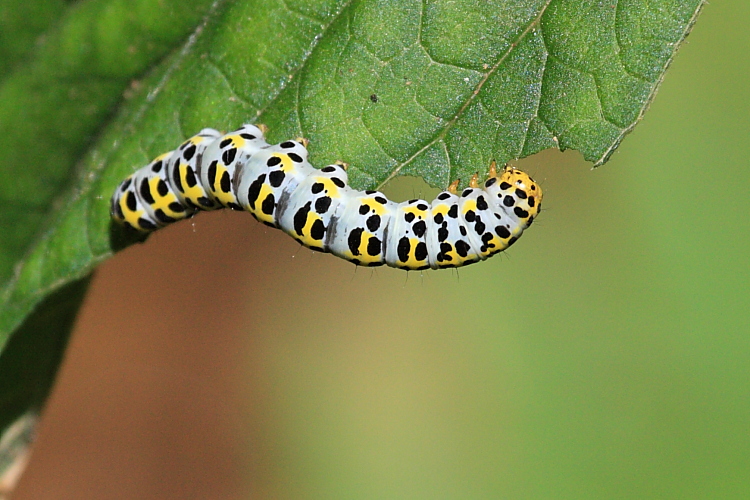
21,24
432,89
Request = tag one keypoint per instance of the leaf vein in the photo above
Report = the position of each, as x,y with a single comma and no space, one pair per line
449,125
319,22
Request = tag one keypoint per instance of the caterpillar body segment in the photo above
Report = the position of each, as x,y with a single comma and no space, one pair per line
223,158
318,208
360,229
269,178
185,167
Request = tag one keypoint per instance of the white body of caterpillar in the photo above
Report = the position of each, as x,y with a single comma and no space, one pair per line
277,185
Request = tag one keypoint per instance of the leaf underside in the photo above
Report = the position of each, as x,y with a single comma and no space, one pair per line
94,89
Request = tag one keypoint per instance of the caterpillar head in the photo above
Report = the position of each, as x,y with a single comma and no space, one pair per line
517,192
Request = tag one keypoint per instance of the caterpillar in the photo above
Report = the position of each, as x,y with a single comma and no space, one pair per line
277,185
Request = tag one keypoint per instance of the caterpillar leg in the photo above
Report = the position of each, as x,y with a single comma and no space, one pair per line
493,169
474,182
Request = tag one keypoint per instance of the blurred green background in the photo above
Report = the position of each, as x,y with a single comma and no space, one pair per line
606,355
